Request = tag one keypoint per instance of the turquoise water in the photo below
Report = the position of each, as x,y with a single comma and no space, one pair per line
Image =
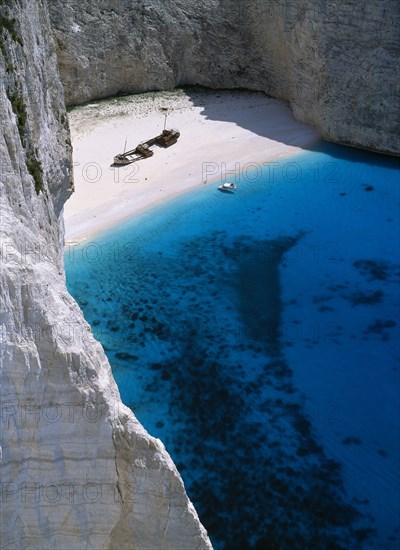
256,334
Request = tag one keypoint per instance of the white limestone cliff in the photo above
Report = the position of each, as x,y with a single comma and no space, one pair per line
335,62
77,469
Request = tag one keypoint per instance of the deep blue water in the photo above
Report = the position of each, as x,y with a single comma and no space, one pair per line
256,334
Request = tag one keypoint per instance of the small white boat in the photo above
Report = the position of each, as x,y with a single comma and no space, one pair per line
227,186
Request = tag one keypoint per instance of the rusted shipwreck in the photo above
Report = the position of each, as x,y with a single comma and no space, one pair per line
144,151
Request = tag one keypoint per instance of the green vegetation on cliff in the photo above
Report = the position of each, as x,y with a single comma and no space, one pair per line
35,169
19,109
8,24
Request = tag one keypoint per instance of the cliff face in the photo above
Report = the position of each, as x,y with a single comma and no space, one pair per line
77,469
335,62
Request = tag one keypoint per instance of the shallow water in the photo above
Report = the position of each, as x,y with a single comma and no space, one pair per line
256,334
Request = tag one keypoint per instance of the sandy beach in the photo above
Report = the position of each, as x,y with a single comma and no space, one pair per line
221,132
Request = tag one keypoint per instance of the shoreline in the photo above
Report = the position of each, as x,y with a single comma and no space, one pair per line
223,134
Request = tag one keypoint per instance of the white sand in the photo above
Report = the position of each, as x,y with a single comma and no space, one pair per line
220,131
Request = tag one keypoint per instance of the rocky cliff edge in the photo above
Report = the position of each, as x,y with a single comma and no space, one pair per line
77,470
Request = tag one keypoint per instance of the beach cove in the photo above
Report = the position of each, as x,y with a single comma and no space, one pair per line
221,132
250,332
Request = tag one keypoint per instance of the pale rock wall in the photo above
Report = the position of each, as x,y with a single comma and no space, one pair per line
335,62
77,469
